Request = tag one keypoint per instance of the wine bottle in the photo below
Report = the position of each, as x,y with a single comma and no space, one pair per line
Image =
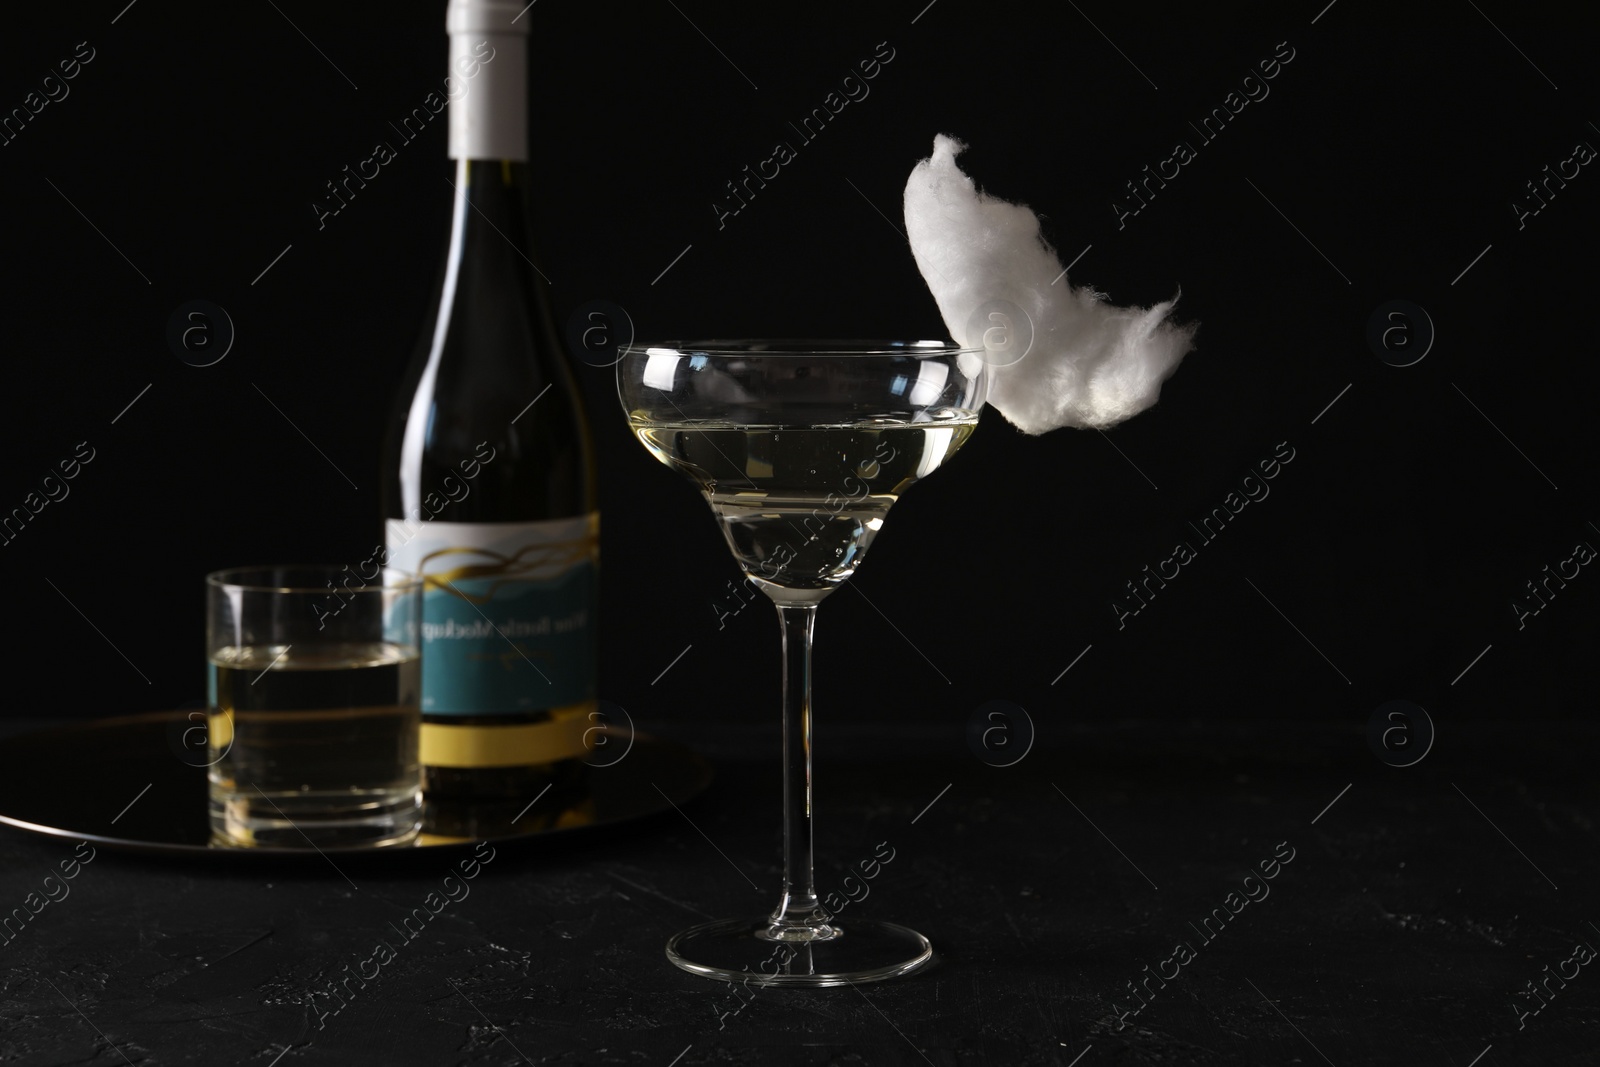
489,479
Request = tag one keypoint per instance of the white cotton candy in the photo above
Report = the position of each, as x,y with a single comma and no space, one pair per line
1090,363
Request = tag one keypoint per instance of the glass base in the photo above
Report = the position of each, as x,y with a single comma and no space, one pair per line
742,950
344,819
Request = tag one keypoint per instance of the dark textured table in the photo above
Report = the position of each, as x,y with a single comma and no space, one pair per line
1329,908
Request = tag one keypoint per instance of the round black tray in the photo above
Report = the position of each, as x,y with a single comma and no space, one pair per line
118,782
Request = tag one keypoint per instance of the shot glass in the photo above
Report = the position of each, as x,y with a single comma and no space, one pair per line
313,676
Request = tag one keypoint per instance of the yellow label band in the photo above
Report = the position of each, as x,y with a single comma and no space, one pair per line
567,735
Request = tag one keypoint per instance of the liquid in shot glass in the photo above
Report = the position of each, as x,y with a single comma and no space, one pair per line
314,685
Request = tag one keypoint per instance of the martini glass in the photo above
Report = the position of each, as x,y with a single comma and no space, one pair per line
801,447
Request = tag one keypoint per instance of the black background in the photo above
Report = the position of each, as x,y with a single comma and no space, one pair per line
1394,543
1227,716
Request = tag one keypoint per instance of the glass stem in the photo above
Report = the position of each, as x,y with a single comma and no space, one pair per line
799,915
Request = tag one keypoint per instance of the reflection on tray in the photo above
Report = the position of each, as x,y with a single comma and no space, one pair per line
561,806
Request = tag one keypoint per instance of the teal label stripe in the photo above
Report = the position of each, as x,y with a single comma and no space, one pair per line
530,646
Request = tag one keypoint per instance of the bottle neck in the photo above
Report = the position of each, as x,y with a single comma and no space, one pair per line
489,259
492,224
495,196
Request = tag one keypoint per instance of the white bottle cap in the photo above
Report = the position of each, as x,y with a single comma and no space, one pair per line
488,82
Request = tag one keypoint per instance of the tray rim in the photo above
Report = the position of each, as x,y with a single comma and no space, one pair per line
134,846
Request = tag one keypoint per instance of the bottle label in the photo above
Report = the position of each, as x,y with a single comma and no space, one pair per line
508,612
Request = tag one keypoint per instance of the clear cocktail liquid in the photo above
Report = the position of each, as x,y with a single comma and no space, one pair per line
800,505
